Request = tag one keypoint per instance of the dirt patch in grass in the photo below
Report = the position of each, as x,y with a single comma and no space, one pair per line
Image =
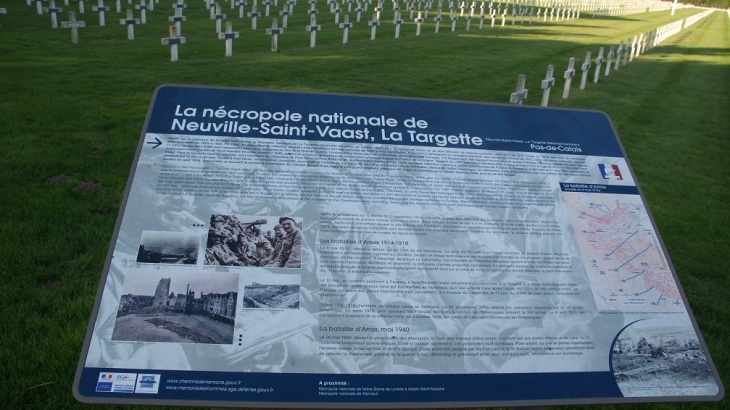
98,146
58,179
87,186
49,284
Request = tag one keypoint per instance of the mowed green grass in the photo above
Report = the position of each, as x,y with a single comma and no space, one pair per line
71,115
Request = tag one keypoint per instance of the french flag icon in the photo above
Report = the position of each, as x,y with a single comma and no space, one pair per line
610,171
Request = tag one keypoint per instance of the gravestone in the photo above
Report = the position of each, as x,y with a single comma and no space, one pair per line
374,23
419,20
274,32
521,93
609,60
453,18
627,51
568,75
254,15
437,20
285,13
619,51
313,28
468,19
53,11
359,9
101,9
142,7
241,5
397,21
81,6
218,16
599,61
228,36
345,28
632,48
173,41
266,3
546,85
585,68
130,23
178,18
337,10
73,25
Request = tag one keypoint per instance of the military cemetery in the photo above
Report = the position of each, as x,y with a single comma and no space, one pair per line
75,95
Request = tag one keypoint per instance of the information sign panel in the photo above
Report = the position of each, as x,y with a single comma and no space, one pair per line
324,250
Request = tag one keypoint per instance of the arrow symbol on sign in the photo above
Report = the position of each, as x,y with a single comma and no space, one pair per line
156,144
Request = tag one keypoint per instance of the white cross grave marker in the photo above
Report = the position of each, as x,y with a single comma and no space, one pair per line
274,32
241,4
129,22
627,51
173,41
81,6
397,21
374,23
178,17
229,35
359,11
546,85
585,67
419,21
73,25
39,7
337,10
345,27
253,14
218,16
599,61
313,28
266,3
101,9
378,9
285,13
632,47
53,11
610,58
437,19
142,7
619,51
569,73
521,93
453,18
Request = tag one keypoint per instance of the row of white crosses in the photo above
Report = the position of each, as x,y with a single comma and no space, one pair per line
618,55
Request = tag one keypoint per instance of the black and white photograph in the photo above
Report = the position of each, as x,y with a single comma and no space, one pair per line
271,292
647,358
177,307
168,247
261,241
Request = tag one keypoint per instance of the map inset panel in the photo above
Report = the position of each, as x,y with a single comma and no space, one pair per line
625,263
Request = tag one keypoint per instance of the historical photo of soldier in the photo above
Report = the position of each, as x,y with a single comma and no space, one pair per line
271,242
168,247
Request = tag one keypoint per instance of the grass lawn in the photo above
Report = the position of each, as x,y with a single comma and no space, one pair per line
71,115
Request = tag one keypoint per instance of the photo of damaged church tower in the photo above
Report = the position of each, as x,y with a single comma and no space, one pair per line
191,316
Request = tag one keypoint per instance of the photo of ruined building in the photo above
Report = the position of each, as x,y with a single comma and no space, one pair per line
195,315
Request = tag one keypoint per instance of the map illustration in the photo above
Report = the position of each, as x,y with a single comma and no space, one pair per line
624,261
